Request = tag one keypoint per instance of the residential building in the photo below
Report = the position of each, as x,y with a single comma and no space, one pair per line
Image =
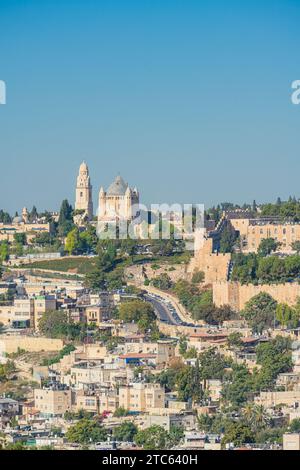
52,402
141,397
291,441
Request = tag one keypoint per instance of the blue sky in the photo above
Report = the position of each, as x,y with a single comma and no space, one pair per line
188,100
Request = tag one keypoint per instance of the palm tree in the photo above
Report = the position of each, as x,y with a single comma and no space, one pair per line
248,412
260,418
255,416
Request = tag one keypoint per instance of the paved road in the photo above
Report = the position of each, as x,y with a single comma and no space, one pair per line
163,311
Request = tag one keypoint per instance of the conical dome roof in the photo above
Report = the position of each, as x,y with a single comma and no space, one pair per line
83,167
118,187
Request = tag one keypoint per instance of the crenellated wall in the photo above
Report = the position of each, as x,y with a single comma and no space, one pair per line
214,265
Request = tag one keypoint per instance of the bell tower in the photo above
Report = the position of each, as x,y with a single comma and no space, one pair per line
84,200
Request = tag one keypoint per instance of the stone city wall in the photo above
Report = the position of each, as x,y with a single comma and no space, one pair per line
236,295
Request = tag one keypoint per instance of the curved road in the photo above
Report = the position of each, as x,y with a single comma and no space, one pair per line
163,310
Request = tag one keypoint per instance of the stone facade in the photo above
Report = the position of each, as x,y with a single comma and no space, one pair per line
214,265
84,200
141,397
253,231
119,202
288,398
7,231
10,344
291,441
52,402
27,310
236,295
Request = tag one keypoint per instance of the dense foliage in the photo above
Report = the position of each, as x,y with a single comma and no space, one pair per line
56,324
256,269
86,431
200,303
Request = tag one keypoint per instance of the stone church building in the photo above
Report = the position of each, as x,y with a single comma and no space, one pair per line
118,202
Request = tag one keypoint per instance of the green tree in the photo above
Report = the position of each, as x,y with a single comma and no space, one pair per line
168,377
228,239
115,279
260,312
296,246
73,244
237,433
204,422
267,246
33,214
234,340
202,305
54,324
286,315
5,218
153,438
6,370
176,435
255,416
86,431
188,384
105,263
275,357
138,311
20,238
4,251
16,446
120,412
294,425
88,239
44,239
65,220
125,432
244,267
212,364
182,345
217,315
163,281
238,386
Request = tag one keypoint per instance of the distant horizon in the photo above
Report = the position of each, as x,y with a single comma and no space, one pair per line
190,101
71,200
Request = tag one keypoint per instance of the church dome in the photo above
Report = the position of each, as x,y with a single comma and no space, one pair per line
118,187
17,220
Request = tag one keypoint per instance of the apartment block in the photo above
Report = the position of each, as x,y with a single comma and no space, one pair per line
52,402
141,397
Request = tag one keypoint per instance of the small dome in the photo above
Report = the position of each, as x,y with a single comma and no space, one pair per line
17,220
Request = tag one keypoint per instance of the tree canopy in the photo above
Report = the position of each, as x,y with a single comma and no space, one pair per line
260,312
86,431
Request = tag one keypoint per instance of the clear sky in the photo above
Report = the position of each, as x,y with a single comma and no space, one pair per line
188,100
